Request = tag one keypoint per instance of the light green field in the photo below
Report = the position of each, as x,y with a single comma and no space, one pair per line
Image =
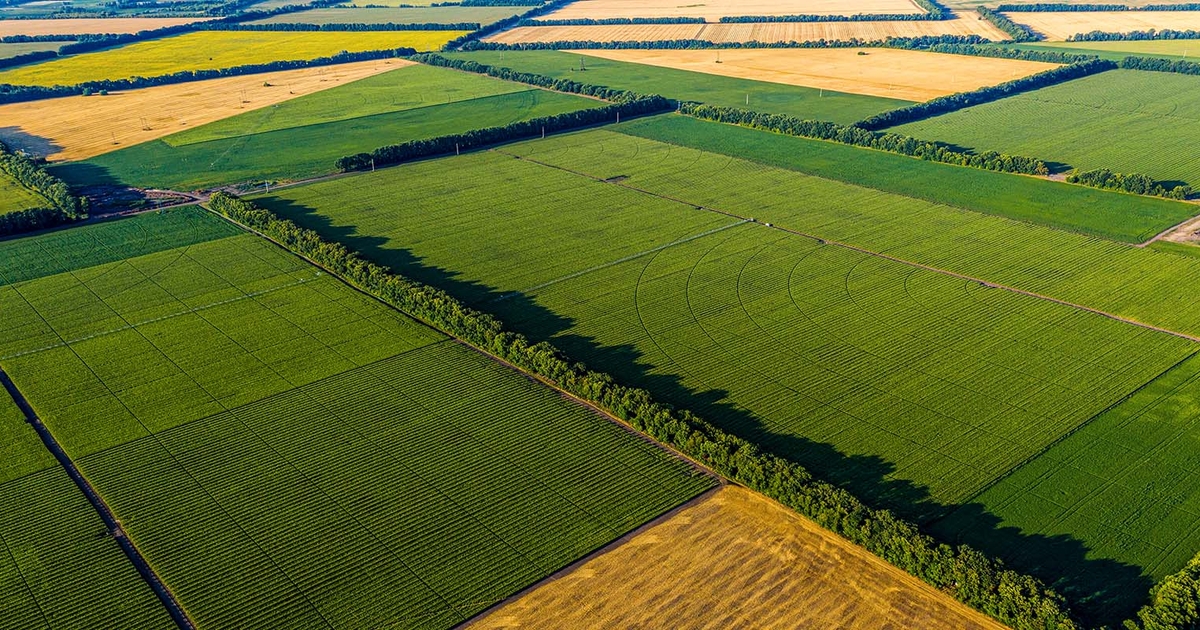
214,50
1170,48
24,48
917,390
1147,121
423,15
15,197
289,453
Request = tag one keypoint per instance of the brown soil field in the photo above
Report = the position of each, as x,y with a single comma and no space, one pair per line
1060,26
733,559
714,10
763,32
902,74
89,26
80,127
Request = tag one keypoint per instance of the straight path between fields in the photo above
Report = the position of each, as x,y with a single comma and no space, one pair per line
106,514
866,251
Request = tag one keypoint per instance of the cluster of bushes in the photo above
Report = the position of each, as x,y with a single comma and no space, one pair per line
505,24
386,26
397,153
1018,32
970,576
62,205
1135,183
855,136
1155,64
612,21
19,93
944,104
1133,36
1174,602
1058,7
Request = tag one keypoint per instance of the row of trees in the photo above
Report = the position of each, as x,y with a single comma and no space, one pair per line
19,60
1018,32
530,78
1058,7
442,145
19,93
1002,52
857,17
61,206
509,22
944,104
1174,602
972,577
1135,183
1155,64
26,39
385,26
855,136
613,21
666,44
1104,36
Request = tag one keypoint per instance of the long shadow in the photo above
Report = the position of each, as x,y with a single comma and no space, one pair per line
18,138
1102,591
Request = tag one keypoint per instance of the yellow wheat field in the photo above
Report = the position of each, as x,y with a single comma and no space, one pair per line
89,26
80,127
714,10
213,50
734,560
762,32
901,74
1060,26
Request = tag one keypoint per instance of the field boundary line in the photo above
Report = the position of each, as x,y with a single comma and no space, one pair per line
164,594
1169,231
653,250
863,250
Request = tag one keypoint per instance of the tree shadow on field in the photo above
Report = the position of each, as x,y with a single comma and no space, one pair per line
1101,590
36,146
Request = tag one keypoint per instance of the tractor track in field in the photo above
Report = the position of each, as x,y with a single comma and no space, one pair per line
863,250
102,509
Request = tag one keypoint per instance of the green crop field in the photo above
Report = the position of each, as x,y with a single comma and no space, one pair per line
15,197
1053,204
915,389
314,147
1118,50
415,15
285,451
12,50
1130,109
58,569
692,86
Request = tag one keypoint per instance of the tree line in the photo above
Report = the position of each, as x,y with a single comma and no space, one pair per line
505,24
1018,32
1135,36
20,93
613,21
1002,52
1174,602
1059,7
355,27
62,206
857,17
971,45
970,576
1155,64
1135,183
530,78
859,137
945,104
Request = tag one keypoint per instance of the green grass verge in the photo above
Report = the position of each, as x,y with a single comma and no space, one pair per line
308,151
14,197
692,86
1129,121
288,452
1053,204
914,389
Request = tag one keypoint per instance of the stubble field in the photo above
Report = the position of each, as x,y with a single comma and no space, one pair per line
714,10
89,26
1060,26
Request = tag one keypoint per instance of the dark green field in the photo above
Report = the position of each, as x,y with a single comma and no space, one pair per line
681,85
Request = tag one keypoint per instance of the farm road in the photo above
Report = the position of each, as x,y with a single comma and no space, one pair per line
106,514
868,252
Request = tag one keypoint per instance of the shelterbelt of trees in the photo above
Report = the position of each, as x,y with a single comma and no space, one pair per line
61,206
1059,7
1134,36
1018,32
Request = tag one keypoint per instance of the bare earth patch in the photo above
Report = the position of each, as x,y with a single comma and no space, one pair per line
764,32
714,10
89,26
1060,26
734,559
80,127
900,74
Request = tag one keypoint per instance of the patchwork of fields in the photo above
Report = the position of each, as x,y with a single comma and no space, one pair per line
214,50
269,436
1130,109
915,389
1060,26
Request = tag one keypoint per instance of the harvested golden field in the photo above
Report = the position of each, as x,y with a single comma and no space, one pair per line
213,50
1060,26
733,559
763,32
902,74
80,127
89,26
714,10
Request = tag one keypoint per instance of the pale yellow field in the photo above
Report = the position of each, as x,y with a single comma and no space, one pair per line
734,560
80,127
89,26
213,50
714,10
903,74
1060,26
762,32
